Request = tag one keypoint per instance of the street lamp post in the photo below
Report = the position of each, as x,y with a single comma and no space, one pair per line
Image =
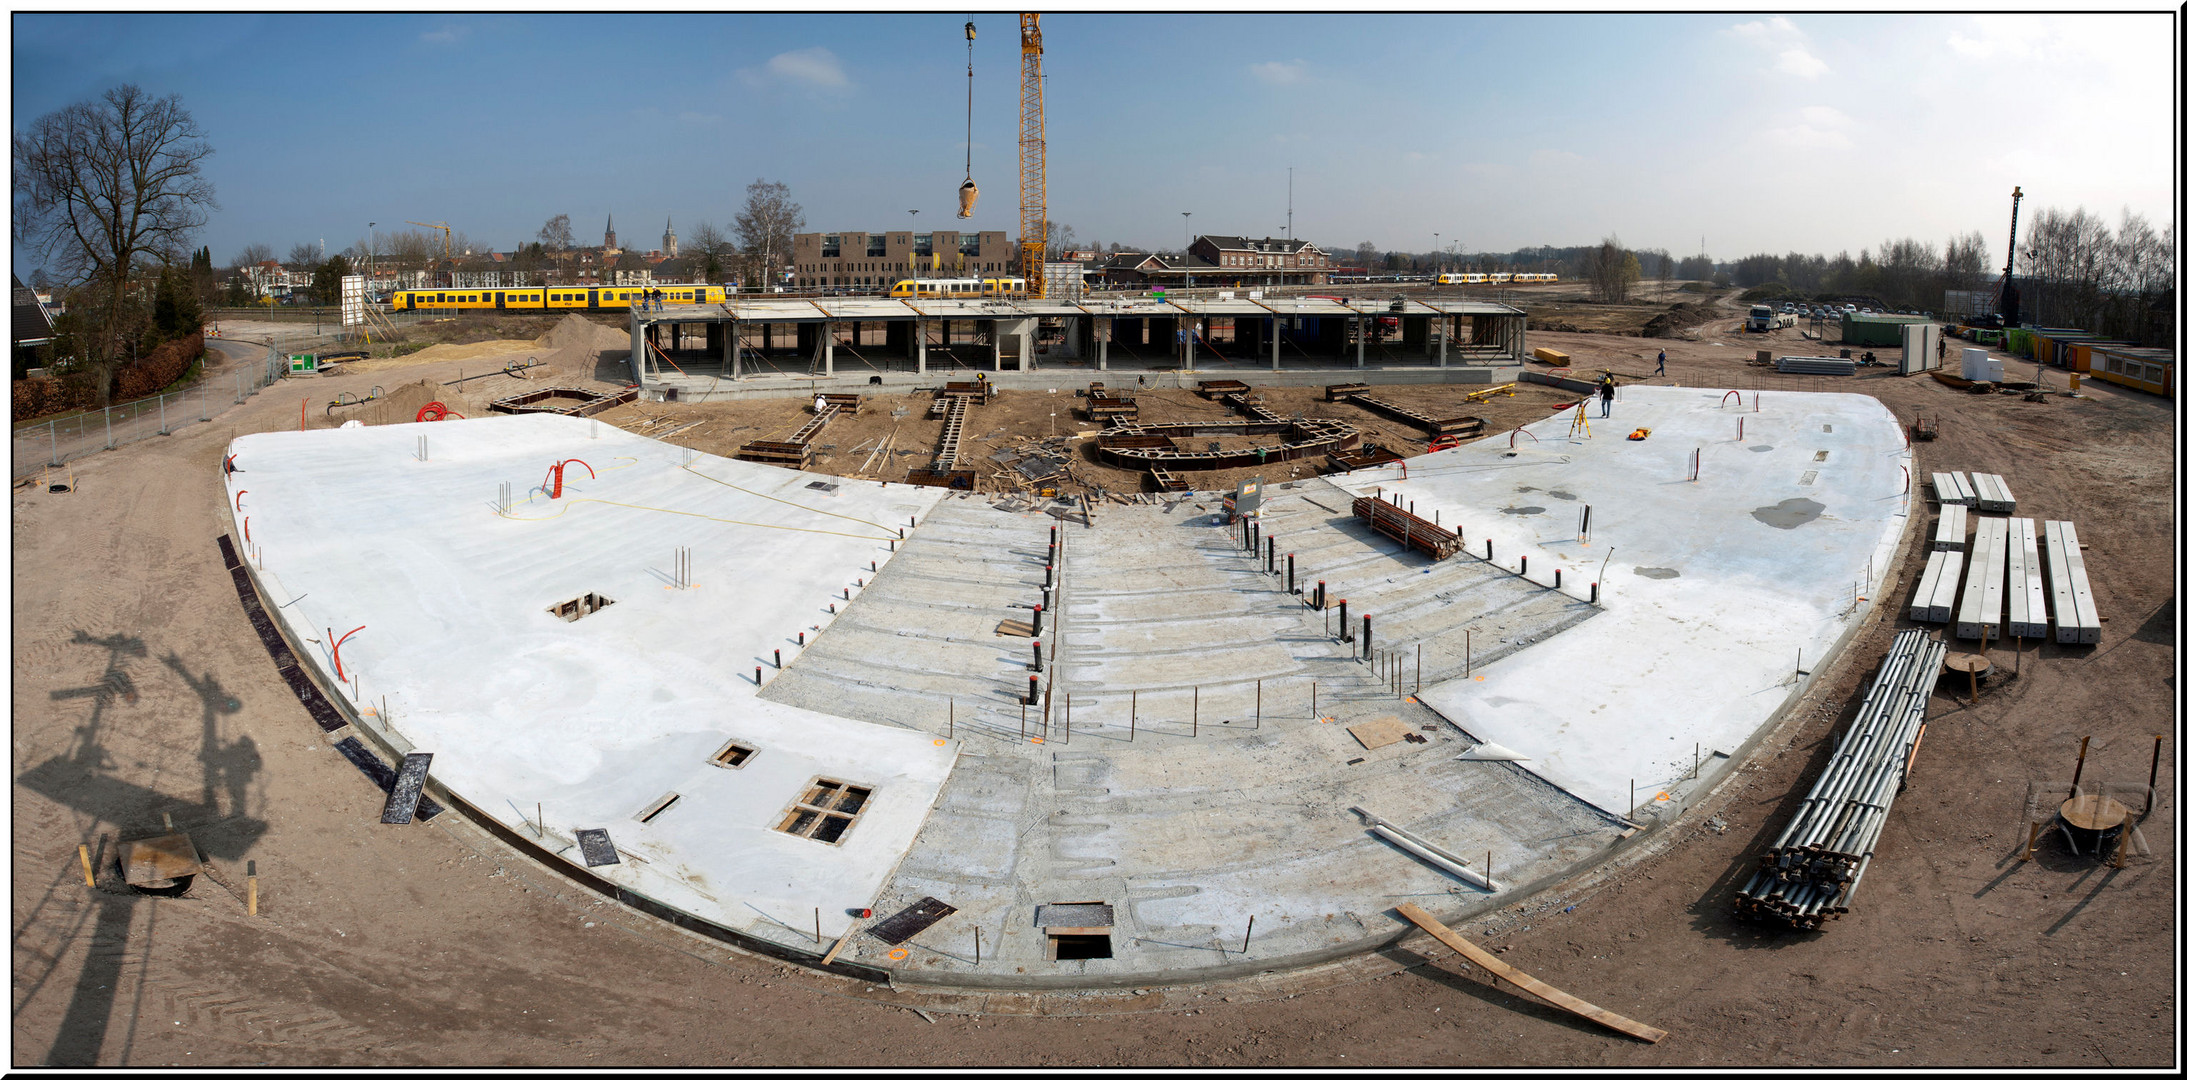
1188,253
372,251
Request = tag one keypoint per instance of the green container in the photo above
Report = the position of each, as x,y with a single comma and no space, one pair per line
303,362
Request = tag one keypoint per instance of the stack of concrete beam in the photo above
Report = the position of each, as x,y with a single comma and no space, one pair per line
1953,488
2071,602
1951,527
1982,603
1814,365
1939,584
2024,581
1811,871
1990,493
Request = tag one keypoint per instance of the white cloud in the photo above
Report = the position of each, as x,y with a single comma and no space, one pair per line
1554,160
1999,37
1415,155
815,67
1280,73
1820,128
1777,28
446,35
1801,63
1485,168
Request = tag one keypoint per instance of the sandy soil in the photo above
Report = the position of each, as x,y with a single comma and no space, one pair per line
139,689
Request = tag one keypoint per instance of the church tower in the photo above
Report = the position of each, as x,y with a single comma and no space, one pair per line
610,244
668,239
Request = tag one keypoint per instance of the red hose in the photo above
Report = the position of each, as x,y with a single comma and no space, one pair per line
1728,395
338,676
438,411
239,498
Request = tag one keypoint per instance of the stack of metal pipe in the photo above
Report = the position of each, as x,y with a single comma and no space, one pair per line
1812,870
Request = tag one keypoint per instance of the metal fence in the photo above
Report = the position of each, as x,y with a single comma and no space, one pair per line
62,439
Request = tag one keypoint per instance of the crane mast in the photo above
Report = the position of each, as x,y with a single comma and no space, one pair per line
1032,162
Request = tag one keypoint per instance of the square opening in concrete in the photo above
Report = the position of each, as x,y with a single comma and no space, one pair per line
573,610
732,756
659,806
1080,946
822,485
826,811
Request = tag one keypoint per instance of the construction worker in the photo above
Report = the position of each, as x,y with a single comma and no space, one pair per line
1659,357
1608,390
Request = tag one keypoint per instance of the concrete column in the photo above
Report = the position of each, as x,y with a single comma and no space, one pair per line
1275,348
1442,348
1192,328
827,347
922,342
637,349
1360,359
736,349
994,339
1104,329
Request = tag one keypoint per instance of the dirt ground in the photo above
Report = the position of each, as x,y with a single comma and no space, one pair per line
140,689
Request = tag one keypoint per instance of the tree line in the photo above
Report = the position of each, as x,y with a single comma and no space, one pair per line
2071,269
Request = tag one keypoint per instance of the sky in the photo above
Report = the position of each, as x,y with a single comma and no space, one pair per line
1466,133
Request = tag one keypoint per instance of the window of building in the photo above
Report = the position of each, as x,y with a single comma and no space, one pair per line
826,811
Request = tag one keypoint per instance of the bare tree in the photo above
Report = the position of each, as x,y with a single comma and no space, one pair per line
1367,254
2068,266
302,255
1611,271
555,234
104,187
251,255
766,225
710,251
1966,261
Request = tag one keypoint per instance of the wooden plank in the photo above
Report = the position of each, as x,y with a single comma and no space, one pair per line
1527,982
1378,733
899,928
597,848
402,799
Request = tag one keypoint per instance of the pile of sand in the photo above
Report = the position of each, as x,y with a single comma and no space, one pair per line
402,404
434,353
578,344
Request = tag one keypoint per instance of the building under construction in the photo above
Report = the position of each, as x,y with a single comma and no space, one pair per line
859,339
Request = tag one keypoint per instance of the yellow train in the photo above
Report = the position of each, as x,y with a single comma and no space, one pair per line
1495,279
957,288
588,298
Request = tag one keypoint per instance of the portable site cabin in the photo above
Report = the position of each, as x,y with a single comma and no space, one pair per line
2145,369
1881,331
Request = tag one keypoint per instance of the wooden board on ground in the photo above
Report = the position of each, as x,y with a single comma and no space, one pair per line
1527,982
899,928
159,860
1015,628
1378,733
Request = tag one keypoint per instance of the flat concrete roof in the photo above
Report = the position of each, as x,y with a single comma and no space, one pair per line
817,309
1716,591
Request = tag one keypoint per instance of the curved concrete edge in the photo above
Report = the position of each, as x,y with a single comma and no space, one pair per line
387,742
1610,854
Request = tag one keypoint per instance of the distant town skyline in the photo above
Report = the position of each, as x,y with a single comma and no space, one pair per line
1415,132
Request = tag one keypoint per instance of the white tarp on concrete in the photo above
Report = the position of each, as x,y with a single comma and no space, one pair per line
588,723
1718,588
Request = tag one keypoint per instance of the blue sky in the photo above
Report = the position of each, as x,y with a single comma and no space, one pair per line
1812,132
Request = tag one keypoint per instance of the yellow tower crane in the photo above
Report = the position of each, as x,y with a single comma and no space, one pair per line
1032,161
447,236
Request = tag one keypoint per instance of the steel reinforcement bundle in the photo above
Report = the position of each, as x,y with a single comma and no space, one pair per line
1812,870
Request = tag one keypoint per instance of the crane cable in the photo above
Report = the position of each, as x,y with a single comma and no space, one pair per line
969,193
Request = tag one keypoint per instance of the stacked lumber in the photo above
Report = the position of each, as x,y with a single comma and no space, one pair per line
1812,870
1414,532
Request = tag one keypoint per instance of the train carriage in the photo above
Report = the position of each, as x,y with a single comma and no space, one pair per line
554,298
957,288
